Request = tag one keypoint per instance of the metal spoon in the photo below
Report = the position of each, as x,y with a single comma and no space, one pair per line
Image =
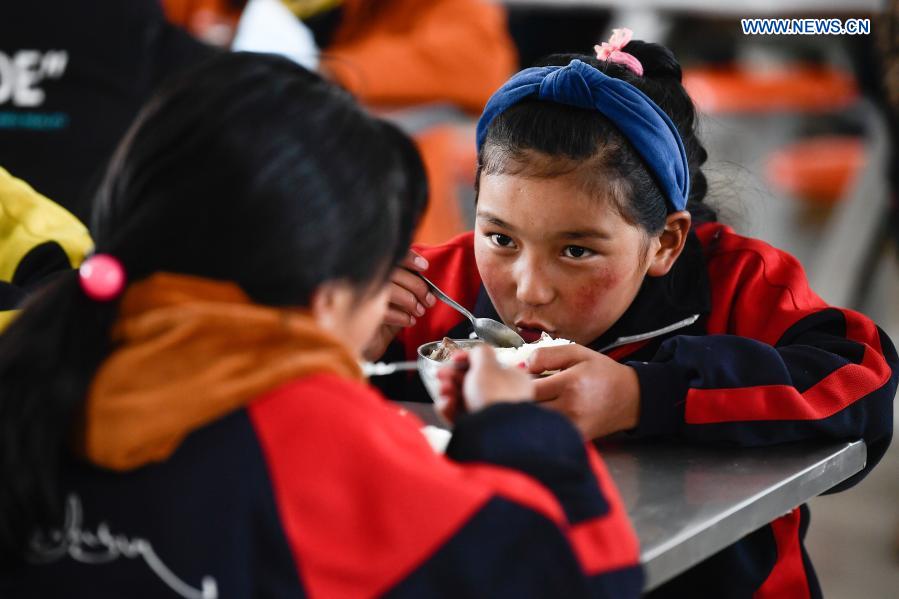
371,369
493,332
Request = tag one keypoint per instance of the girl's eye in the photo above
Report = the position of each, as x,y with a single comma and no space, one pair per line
576,251
502,240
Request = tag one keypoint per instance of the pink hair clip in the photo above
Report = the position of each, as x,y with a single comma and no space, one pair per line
102,277
612,50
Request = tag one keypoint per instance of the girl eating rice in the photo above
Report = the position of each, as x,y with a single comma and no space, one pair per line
590,226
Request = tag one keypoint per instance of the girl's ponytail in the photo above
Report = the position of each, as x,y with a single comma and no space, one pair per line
48,356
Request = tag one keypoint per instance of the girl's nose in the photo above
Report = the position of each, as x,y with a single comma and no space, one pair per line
532,286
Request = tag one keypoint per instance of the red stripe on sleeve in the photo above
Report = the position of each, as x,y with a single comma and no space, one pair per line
788,577
621,352
833,393
608,542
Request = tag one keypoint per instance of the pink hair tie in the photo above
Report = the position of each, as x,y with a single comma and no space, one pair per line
612,51
102,277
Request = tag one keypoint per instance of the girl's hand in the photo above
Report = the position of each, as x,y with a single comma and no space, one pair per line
475,380
409,298
599,395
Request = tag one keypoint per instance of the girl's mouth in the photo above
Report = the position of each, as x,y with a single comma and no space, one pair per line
529,332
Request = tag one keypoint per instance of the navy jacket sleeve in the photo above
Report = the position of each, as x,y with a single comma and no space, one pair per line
779,364
520,506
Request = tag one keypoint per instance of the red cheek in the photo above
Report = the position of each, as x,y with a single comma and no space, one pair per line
587,295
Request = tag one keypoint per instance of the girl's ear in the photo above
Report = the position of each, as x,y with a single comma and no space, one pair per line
331,304
671,243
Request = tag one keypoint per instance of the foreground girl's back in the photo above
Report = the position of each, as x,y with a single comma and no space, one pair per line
204,430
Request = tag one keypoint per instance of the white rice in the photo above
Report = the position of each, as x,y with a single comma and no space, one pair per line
513,356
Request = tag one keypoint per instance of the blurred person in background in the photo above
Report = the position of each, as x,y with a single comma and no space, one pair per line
432,64
185,416
387,53
212,21
72,77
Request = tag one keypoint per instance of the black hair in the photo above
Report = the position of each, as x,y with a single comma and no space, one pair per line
541,138
247,169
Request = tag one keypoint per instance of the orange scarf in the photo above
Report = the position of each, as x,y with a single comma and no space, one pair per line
189,351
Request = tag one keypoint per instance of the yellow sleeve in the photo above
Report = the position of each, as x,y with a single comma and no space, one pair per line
28,219
6,317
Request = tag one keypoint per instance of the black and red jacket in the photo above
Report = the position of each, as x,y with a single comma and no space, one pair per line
730,347
321,488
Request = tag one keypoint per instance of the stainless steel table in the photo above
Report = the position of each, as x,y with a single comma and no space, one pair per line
688,502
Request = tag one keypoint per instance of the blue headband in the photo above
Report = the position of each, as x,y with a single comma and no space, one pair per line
640,120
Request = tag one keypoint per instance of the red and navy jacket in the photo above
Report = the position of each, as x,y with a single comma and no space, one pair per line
730,347
321,488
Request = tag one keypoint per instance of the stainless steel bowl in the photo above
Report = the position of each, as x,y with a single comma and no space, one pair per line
427,368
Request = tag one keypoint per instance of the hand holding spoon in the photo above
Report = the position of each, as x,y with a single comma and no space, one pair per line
493,332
